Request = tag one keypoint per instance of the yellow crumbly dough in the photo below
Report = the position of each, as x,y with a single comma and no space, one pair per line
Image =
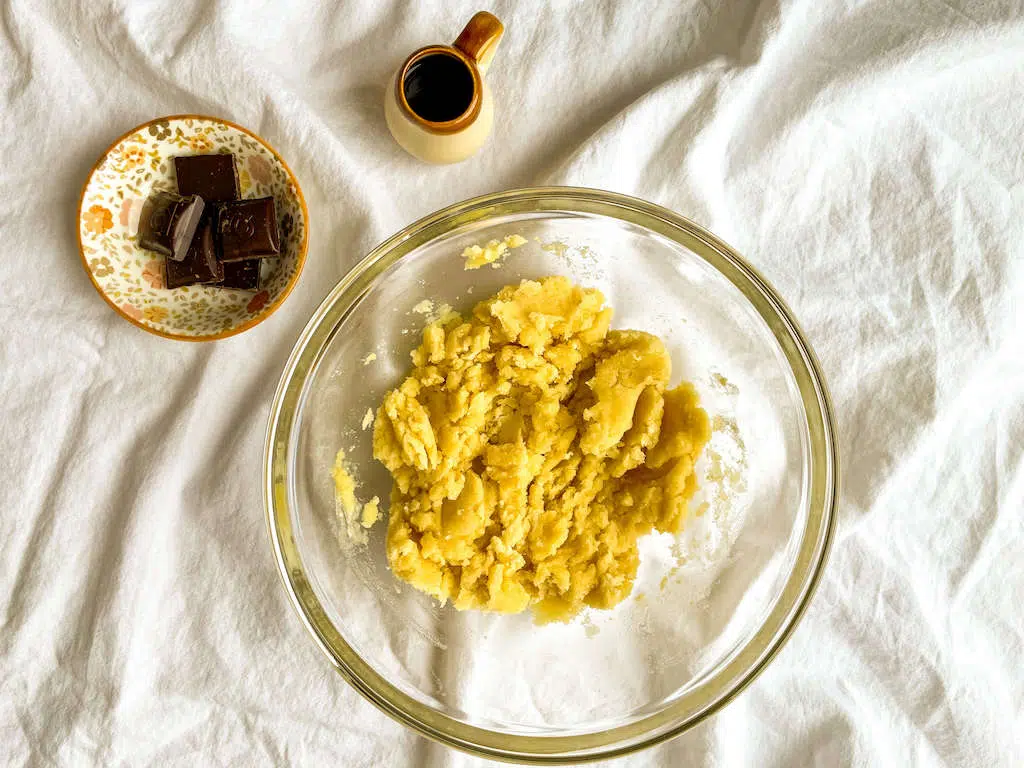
530,449
371,512
477,256
344,486
348,506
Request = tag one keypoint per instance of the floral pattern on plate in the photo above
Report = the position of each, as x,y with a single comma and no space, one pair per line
131,279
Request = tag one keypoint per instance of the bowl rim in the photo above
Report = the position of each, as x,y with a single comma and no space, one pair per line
744,666
271,307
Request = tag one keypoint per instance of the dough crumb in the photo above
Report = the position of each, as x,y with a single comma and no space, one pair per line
371,512
722,384
368,418
435,313
345,494
355,516
476,256
369,358
530,448
444,315
556,247
344,484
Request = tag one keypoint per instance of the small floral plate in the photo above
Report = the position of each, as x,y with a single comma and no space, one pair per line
132,279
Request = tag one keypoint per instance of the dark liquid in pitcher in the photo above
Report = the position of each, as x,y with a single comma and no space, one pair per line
438,87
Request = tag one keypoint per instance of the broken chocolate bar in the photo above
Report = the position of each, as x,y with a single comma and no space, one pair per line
200,264
247,229
243,275
212,177
169,222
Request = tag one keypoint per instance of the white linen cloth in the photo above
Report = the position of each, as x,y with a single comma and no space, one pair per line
868,157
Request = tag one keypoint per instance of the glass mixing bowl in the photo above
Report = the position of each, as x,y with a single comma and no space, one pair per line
711,606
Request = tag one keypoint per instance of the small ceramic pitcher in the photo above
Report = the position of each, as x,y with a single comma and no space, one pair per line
438,106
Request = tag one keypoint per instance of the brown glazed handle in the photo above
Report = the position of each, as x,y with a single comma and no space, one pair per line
479,39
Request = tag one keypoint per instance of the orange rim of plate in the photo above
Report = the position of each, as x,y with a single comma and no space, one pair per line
272,306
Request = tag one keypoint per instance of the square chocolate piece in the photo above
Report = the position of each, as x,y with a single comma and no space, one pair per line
241,275
200,264
247,229
169,222
212,177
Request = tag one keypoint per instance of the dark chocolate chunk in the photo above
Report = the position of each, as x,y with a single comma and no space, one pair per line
169,222
247,229
155,222
243,275
200,264
212,177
